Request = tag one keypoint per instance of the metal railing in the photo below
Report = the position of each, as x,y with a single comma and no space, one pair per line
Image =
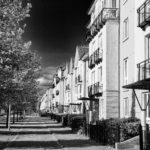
98,55
98,88
91,61
144,70
144,14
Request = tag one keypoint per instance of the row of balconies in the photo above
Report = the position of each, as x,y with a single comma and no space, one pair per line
95,58
95,89
104,15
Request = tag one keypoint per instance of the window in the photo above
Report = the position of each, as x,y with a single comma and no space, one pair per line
125,71
93,78
113,3
125,29
126,107
147,47
100,44
145,98
100,74
102,108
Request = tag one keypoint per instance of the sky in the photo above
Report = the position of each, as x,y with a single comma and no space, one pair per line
56,28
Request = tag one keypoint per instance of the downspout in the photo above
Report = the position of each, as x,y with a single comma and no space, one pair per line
119,48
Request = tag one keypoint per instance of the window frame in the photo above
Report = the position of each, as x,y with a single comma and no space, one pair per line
125,71
125,29
126,110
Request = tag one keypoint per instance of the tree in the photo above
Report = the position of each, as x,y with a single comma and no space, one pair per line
19,65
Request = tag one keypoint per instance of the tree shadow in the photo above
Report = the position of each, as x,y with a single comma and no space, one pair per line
62,131
24,132
78,143
30,144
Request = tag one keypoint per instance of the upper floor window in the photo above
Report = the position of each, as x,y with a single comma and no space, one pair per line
100,74
125,71
93,78
147,47
100,44
145,98
125,28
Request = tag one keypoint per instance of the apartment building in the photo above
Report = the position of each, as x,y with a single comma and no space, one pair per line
102,35
80,70
134,57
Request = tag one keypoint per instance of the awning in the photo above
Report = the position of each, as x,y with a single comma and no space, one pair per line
88,99
139,85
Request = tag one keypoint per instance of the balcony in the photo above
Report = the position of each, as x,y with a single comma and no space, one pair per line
98,56
79,79
98,89
91,62
88,36
57,92
144,15
91,91
144,70
67,87
57,80
104,15
109,14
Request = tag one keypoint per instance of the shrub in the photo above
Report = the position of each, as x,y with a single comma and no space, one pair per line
109,131
77,122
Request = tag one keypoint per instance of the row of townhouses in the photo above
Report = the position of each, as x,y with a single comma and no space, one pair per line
110,76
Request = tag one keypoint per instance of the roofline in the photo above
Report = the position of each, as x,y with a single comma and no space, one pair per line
91,7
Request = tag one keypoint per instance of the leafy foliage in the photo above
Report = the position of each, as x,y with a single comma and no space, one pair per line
19,66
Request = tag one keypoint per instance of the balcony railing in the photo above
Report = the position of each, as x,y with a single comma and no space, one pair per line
104,15
98,56
91,61
144,70
98,88
67,87
57,80
91,90
57,92
144,15
79,79
110,13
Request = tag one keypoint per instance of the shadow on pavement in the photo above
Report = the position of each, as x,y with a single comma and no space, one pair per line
30,144
23,132
62,132
78,143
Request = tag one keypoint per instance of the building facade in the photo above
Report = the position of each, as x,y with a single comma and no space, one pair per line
103,36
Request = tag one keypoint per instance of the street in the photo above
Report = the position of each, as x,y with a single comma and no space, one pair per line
43,134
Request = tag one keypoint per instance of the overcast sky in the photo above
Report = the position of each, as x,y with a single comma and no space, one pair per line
56,27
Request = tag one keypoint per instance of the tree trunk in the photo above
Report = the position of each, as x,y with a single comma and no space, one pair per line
7,118
13,117
17,117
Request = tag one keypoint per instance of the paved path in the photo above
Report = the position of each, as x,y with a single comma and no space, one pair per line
37,133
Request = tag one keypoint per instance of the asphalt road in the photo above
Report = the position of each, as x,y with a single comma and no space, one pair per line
39,133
